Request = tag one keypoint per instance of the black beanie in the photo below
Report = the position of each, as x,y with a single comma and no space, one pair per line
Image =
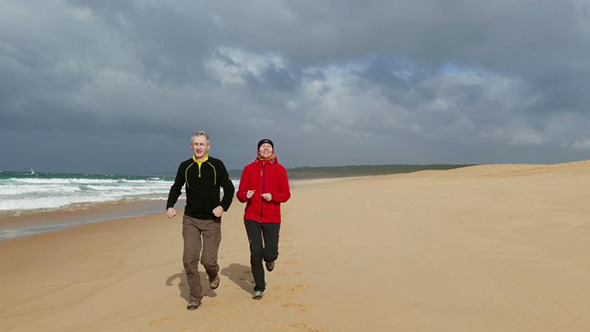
266,140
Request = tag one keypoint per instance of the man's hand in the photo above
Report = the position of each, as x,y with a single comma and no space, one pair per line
249,194
171,213
218,211
267,196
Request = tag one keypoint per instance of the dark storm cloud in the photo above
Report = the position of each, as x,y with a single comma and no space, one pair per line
119,86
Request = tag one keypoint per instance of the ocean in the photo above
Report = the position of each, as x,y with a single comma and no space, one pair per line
30,192
26,196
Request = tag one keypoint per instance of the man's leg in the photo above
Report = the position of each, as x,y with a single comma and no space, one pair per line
190,257
270,232
211,232
254,231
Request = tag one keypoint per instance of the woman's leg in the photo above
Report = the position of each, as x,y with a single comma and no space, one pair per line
270,232
254,231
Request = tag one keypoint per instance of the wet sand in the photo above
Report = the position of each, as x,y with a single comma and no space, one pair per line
30,223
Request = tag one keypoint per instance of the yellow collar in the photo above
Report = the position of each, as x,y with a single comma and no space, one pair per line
200,162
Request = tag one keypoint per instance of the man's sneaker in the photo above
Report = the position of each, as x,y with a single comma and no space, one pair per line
192,305
270,266
257,295
214,283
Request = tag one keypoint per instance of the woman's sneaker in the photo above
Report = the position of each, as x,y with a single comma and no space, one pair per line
214,283
270,266
257,295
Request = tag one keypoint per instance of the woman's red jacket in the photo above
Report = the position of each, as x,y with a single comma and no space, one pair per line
264,177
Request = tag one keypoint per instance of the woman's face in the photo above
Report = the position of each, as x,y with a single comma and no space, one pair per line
265,150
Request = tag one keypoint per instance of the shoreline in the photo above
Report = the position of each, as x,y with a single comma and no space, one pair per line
38,222
28,224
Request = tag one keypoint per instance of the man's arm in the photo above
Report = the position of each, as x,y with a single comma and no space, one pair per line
227,185
175,190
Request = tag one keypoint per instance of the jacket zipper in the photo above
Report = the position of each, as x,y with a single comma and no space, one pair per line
263,185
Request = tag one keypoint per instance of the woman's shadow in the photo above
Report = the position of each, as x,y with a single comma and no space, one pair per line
240,275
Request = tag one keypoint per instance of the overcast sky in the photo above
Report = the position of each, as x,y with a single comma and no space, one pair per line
118,86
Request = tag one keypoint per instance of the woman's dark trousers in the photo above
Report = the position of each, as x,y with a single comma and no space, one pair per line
264,246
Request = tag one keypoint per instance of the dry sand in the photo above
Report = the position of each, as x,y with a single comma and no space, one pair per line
485,248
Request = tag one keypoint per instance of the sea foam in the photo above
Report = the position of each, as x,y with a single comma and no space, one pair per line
24,192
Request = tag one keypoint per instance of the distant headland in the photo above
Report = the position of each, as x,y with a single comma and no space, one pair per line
355,170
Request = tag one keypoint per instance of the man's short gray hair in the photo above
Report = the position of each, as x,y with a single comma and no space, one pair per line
201,133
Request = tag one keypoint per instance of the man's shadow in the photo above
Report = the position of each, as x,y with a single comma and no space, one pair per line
240,275
183,285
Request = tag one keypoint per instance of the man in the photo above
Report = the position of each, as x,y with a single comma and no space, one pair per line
201,223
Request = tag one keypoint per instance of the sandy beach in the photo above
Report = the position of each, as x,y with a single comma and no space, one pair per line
483,248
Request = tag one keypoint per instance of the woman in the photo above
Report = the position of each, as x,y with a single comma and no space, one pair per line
263,187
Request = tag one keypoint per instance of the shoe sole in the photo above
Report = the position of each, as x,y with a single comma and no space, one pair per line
193,306
215,283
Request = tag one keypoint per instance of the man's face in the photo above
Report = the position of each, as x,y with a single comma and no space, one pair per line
265,150
200,146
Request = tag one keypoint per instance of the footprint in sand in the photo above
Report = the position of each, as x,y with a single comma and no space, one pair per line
291,290
291,262
297,289
279,287
297,306
215,303
303,326
160,320
299,325
288,291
